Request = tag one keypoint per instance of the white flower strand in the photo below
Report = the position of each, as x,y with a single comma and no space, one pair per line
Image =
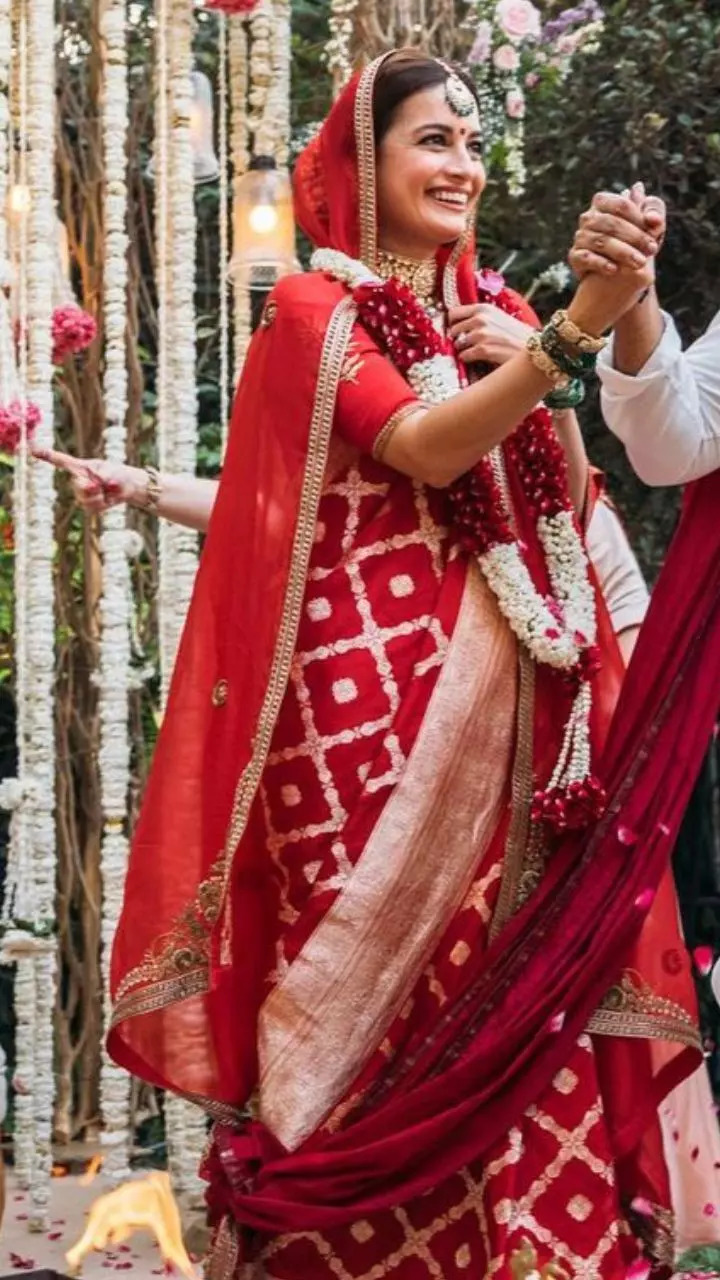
116,601
177,444
40,746
240,159
337,49
19,903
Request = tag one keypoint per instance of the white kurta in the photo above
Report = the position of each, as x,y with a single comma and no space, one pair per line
668,415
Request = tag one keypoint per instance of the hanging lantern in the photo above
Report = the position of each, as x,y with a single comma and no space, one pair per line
205,162
263,225
206,167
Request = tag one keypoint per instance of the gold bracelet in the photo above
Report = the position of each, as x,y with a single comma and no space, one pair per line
574,336
545,364
153,492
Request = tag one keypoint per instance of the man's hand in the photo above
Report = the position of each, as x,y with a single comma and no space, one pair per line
618,232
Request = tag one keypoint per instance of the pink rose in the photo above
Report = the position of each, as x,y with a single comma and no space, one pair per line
515,104
482,44
532,80
506,58
519,19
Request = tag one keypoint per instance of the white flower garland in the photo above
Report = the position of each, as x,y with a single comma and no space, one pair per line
177,422
116,601
557,637
40,651
337,49
240,158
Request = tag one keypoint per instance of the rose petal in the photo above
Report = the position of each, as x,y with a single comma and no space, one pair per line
627,836
644,900
709,1210
694,1153
638,1270
557,1023
663,828
703,960
642,1206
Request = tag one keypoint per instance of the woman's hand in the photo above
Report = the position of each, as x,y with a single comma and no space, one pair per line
483,332
618,232
97,484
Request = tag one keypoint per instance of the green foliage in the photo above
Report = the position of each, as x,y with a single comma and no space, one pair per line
644,107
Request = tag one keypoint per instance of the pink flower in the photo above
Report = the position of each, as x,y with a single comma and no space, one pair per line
703,960
519,19
506,58
17,420
515,104
532,79
72,330
232,6
482,44
489,281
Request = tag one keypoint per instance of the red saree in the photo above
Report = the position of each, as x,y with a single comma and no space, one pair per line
324,901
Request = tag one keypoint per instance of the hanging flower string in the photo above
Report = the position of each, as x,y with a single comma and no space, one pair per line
73,329
18,421
558,629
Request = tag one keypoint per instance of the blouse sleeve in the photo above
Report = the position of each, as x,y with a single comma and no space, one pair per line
373,397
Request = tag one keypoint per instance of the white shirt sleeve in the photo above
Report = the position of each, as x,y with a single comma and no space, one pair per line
668,415
618,572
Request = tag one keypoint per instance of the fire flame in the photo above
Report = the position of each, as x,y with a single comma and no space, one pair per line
147,1204
92,1171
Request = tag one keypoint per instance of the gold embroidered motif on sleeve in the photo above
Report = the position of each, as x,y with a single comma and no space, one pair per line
352,364
632,1008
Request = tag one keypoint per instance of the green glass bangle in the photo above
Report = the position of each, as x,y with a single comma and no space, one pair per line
581,365
566,397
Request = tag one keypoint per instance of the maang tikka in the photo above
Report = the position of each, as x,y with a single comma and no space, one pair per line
460,98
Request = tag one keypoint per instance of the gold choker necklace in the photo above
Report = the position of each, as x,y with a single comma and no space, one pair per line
421,277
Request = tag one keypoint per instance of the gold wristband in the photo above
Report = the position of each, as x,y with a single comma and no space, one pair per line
153,492
573,335
545,364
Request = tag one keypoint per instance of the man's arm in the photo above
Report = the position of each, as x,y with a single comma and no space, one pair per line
668,413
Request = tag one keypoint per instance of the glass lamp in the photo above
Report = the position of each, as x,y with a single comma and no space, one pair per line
206,166
263,225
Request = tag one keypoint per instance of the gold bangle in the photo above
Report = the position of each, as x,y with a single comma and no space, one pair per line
545,364
574,336
153,492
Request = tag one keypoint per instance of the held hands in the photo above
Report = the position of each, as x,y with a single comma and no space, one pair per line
482,332
97,484
613,254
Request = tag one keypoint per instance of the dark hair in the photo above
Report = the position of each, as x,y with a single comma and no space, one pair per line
403,74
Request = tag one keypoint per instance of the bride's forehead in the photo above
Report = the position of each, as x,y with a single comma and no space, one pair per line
430,106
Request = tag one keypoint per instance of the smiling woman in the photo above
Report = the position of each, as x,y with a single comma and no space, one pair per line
375,728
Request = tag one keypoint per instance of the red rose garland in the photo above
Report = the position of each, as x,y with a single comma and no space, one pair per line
392,315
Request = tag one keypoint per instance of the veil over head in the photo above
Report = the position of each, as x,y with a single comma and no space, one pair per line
335,187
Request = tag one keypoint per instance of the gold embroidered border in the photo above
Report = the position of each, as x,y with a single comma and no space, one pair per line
178,967
632,1008
365,148
384,434
517,847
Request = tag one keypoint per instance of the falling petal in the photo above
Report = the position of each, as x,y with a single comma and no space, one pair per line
709,1210
557,1023
664,828
642,1206
638,1270
703,960
627,836
644,900
55,1235
694,1153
